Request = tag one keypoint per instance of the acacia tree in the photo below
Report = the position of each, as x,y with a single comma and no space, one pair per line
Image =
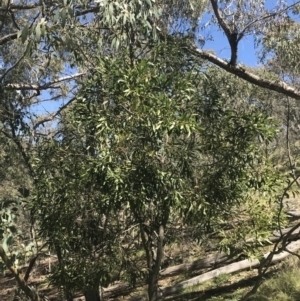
129,147
127,117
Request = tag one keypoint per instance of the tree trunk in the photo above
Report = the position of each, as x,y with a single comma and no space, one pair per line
154,272
92,295
67,291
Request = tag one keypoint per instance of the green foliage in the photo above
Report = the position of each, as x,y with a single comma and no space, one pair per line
146,141
126,150
11,235
8,215
221,279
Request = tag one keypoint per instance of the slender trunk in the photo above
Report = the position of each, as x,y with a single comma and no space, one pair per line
67,291
154,254
157,260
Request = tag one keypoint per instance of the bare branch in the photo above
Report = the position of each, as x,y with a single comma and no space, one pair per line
21,6
12,67
87,11
8,38
231,33
53,115
220,18
278,85
38,87
4,15
14,20
18,143
32,262
268,16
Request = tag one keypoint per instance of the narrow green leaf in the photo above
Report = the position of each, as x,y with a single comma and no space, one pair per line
24,33
38,32
63,15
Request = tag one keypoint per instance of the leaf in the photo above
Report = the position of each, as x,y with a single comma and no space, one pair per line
24,33
111,9
63,16
7,241
70,11
38,32
29,47
4,246
19,34
43,30
56,16
13,229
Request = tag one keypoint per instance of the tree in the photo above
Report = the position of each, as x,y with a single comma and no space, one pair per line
129,147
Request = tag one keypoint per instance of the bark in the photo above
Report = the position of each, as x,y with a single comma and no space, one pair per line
118,290
231,33
126,288
154,272
204,263
195,265
154,254
67,291
295,214
9,37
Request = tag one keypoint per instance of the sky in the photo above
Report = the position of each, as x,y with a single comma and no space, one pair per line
246,50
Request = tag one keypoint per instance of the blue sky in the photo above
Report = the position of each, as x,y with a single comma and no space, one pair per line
246,54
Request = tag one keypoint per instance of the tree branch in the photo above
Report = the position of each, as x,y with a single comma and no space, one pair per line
14,138
231,33
45,86
21,282
21,6
4,15
243,31
87,11
53,115
277,86
8,38
220,18
12,67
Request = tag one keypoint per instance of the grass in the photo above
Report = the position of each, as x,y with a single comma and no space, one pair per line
285,286
282,284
